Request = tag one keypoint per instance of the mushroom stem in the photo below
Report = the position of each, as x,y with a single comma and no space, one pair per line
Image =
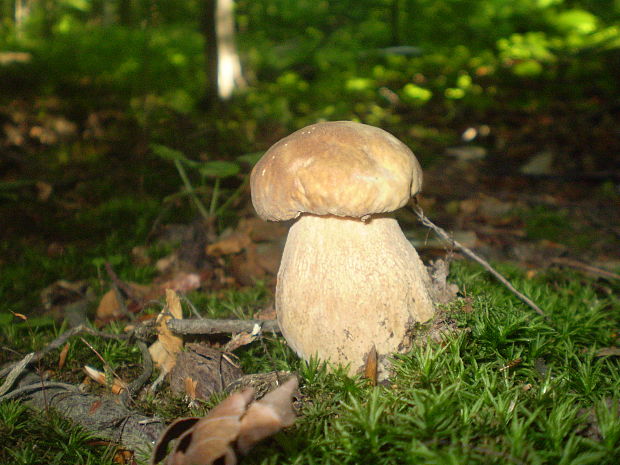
346,284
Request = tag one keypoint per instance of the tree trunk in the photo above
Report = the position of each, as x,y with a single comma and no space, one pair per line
228,66
222,59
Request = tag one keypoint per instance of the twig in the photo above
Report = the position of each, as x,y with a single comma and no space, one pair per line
15,372
216,326
104,361
61,340
445,236
147,369
38,386
585,267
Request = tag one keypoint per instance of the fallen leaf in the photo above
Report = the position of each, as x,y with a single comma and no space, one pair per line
109,307
164,351
207,439
94,407
190,387
231,424
267,416
63,356
19,315
98,376
124,457
231,244
370,369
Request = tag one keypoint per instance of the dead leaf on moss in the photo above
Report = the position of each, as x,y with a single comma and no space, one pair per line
21,316
63,356
164,351
110,309
371,368
231,244
117,385
230,425
190,387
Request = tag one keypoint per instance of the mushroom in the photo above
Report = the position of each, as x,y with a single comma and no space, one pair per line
348,279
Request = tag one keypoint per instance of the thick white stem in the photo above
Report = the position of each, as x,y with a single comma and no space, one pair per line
345,285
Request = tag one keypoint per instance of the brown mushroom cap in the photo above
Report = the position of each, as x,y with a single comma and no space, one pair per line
340,168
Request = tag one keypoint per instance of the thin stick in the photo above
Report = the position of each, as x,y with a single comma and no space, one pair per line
147,369
38,386
445,236
61,340
216,326
593,270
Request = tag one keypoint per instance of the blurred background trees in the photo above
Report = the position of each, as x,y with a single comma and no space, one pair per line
539,70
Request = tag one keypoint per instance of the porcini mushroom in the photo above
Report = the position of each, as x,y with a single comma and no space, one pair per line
348,279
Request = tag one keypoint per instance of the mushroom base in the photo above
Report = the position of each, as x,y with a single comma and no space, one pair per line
345,285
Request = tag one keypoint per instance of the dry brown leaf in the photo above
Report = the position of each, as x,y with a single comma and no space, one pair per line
233,243
190,387
98,376
63,356
267,416
164,351
109,307
94,407
210,439
370,369
124,457
21,316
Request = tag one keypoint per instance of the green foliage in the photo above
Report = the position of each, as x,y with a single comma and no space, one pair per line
50,440
510,385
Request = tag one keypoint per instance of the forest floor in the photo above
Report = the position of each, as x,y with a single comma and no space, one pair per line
90,217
